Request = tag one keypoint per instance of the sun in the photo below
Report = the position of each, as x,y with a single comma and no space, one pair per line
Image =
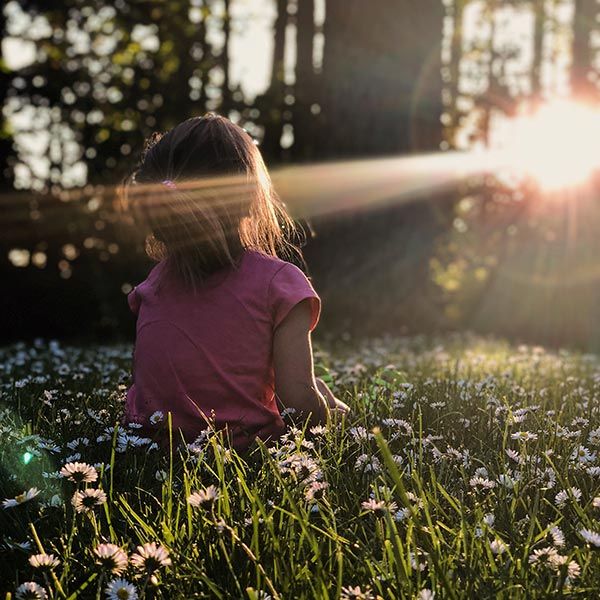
558,145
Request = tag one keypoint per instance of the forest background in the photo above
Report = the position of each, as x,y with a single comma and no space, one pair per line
409,245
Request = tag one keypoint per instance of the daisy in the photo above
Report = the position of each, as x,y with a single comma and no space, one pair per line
111,557
544,555
85,500
591,537
355,593
21,498
558,537
582,456
596,502
315,491
573,569
402,514
563,496
482,482
367,464
121,589
156,417
426,594
318,430
524,436
43,561
151,556
498,547
30,591
489,519
379,507
205,498
79,472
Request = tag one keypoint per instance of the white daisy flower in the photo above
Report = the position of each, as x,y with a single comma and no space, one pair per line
512,454
318,430
85,500
498,547
558,537
150,557
21,498
596,502
379,507
121,589
582,456
573,569
359,433
594,437
482,482
79,472
315,491
426,594
111,557
402,514
524,436
355,593
591,537
205,498
543,555
43,561
31,591
563,497
156,417
367,464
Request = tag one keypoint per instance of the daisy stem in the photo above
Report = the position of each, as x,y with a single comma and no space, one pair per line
38,542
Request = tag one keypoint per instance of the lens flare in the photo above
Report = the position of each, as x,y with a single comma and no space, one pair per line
558,145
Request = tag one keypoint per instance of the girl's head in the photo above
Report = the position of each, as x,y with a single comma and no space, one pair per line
202,194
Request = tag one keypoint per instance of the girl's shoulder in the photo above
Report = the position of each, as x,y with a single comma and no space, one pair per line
263,266
265,262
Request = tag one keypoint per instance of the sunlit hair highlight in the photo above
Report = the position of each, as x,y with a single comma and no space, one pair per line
203,195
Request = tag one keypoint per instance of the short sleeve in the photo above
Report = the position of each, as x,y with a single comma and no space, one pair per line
134,301
288,287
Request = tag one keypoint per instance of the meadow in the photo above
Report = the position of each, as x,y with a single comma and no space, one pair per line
469,468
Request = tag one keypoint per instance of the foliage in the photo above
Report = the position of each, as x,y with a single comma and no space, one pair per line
468,468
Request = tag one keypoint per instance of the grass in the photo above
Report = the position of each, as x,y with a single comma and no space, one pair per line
469,469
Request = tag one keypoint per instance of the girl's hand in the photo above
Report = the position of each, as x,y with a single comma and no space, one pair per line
339,408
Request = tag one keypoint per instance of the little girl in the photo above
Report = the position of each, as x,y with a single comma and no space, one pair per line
223,324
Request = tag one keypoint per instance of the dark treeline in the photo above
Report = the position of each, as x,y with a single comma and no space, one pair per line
388,80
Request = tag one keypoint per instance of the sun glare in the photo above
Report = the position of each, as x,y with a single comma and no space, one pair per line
558,145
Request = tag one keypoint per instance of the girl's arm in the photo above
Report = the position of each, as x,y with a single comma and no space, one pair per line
295,384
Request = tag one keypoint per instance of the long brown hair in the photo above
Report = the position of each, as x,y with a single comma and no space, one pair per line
203,194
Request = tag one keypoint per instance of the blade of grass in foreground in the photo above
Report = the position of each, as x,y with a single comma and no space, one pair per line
429,541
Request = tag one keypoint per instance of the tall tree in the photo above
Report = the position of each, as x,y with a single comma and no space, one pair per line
584,23
539,9
381,88
6,142
304,90
271,103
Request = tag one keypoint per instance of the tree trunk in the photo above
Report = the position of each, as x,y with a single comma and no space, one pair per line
6,142
583,24
226,91
271,103
538,45
303,120
381,87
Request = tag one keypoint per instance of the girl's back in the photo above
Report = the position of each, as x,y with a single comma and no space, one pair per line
207,356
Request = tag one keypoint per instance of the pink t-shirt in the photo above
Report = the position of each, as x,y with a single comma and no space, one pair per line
209,355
